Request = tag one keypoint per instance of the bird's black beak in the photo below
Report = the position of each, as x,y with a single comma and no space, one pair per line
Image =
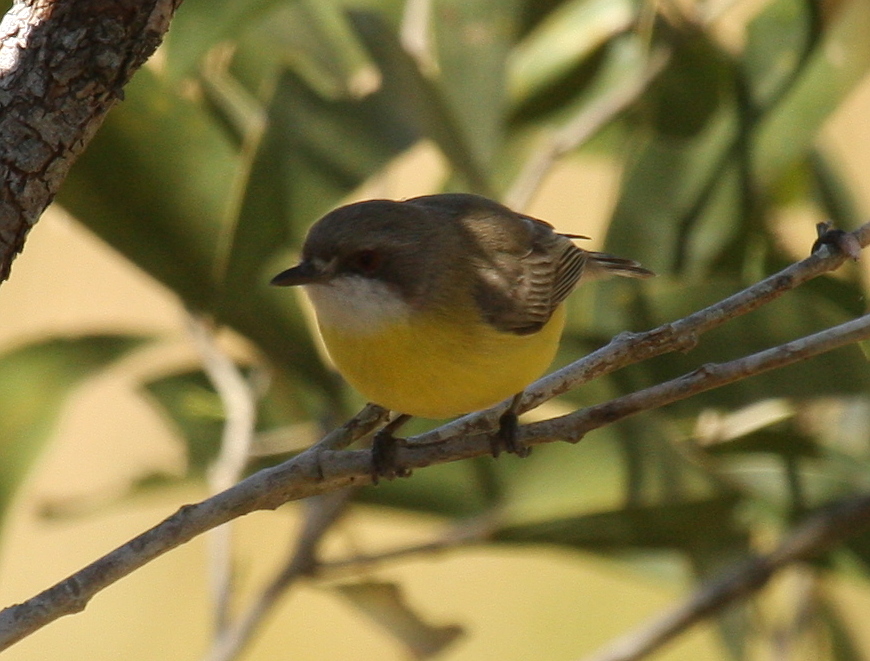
306,272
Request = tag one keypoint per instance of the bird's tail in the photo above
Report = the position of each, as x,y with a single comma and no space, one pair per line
601,264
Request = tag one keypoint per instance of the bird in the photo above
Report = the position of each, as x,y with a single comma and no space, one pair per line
440,305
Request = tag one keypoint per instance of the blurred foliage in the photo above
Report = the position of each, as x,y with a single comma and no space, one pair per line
35,380
258,116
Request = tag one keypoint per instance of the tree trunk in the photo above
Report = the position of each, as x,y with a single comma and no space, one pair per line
63,65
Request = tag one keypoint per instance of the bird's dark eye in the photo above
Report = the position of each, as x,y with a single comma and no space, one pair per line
366,261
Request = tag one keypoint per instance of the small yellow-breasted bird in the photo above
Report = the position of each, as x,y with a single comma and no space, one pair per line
442,305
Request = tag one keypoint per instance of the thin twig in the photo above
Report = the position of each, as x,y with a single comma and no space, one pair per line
363,423
322,469
820,532
240,409
468,532
573,426
322,512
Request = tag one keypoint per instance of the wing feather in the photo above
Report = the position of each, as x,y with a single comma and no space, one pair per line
526,273
522,268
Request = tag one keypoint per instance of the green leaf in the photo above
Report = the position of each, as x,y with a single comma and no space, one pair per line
667,189
190,402
481,32
710,563
845,293
158,183
593,80
419,99
196,411
200,24
311,37
777,41
859,546
680,202
562,41
554,481
698,79
844,641
789,485
833,192
674,526
154,183
313,153
837,64
781,439
35,381
655,469
386,605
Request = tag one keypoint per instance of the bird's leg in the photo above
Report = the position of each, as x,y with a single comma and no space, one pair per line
506,436
384,447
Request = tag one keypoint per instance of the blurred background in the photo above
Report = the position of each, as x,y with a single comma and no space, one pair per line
704,139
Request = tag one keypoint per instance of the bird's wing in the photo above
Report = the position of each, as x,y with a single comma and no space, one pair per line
522,268
525,270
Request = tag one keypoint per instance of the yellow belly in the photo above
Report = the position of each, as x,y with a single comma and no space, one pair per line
432,369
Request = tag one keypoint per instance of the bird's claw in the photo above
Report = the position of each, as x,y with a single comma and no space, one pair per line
506,437
385,448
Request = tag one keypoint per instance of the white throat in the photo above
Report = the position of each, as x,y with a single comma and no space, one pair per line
356,304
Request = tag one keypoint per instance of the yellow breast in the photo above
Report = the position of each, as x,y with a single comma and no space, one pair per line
431,367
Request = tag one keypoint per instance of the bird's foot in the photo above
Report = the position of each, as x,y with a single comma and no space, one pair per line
506,438
385,448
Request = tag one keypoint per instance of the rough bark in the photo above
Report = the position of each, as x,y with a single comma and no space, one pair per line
63,65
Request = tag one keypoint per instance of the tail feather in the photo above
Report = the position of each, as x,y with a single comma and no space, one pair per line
601,264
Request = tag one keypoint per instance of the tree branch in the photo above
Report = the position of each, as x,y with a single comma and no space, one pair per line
464,533
240,410
573,426
817,534
326,467
63,65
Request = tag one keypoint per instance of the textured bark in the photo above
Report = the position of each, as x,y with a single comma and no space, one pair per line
63,65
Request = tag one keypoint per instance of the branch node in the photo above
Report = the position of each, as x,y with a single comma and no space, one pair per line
843,242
